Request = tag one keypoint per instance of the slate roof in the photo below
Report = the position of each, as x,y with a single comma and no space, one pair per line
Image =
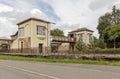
81,29
33,19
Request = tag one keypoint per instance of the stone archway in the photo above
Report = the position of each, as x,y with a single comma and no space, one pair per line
4,46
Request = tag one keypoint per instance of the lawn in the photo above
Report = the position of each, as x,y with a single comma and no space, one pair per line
77,61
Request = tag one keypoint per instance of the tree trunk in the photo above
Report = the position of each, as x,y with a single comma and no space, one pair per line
114,44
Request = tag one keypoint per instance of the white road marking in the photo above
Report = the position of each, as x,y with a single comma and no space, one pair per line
32,72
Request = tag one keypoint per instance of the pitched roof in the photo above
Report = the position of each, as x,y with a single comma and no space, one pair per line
33,19
15,34
81,29
5,38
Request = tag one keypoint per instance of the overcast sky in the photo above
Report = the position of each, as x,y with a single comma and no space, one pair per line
67,14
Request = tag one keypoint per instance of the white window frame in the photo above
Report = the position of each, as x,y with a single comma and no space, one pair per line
41,30
90,36
81,36
21,31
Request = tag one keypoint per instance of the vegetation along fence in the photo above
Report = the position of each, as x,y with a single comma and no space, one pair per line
61,50
65,53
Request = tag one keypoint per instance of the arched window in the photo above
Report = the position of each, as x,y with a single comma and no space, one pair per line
4,46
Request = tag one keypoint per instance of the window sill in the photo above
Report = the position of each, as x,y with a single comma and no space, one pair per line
21,37
41,36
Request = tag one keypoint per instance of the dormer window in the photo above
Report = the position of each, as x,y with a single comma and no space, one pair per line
40,30
21,31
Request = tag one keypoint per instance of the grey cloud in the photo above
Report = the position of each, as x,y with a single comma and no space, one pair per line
66,27
7,28
22,10
24,5
13,18
98,4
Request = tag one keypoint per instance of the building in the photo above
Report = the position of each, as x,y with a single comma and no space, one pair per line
68,43
32,33
5,43
62,44
82,33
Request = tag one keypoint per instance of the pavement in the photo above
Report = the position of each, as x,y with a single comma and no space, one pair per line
39,70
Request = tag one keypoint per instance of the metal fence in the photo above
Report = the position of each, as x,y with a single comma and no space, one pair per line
64,53
34,50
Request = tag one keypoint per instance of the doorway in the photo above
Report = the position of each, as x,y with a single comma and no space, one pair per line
21,47
40,48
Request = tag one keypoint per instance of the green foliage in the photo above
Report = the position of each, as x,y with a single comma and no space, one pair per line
56,32
97,43
80,45
115,16
62,60
107,51
92,44
108,19
108,26
104,21
100,43
113,31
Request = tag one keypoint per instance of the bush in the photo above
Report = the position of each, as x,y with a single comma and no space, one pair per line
101,51
100,43
107,51
80,45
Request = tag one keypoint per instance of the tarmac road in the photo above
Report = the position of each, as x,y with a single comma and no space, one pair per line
38,70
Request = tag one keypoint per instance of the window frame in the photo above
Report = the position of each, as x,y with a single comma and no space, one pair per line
21,33
90,36
81,36
41,30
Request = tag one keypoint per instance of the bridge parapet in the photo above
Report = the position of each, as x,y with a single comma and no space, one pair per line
62,39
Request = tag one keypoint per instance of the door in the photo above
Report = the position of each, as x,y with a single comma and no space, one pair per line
40,48
21,47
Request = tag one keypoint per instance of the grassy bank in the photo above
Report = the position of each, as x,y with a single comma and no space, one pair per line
78,61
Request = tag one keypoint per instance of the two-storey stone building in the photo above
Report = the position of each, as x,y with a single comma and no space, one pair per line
82,33
32,33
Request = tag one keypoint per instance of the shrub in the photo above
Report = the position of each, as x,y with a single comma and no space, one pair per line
107,51
100,43
80,45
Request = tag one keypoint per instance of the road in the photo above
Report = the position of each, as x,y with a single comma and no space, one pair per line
38,70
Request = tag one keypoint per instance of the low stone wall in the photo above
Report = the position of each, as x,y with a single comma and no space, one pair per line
109,57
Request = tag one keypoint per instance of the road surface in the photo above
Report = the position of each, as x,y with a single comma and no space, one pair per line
38,70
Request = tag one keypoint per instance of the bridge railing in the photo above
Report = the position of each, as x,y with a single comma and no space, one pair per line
62,39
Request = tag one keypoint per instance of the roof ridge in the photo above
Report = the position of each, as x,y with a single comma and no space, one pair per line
82,29
33,18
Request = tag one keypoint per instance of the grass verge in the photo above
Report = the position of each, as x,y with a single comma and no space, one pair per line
77,61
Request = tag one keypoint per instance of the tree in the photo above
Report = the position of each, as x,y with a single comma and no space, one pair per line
80,45
115,16
113,33
56,32
100,43
106,21
92,44
97,43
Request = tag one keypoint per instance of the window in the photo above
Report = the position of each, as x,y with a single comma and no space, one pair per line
71,35
4,46
21,31
40,30
90,37
81,36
